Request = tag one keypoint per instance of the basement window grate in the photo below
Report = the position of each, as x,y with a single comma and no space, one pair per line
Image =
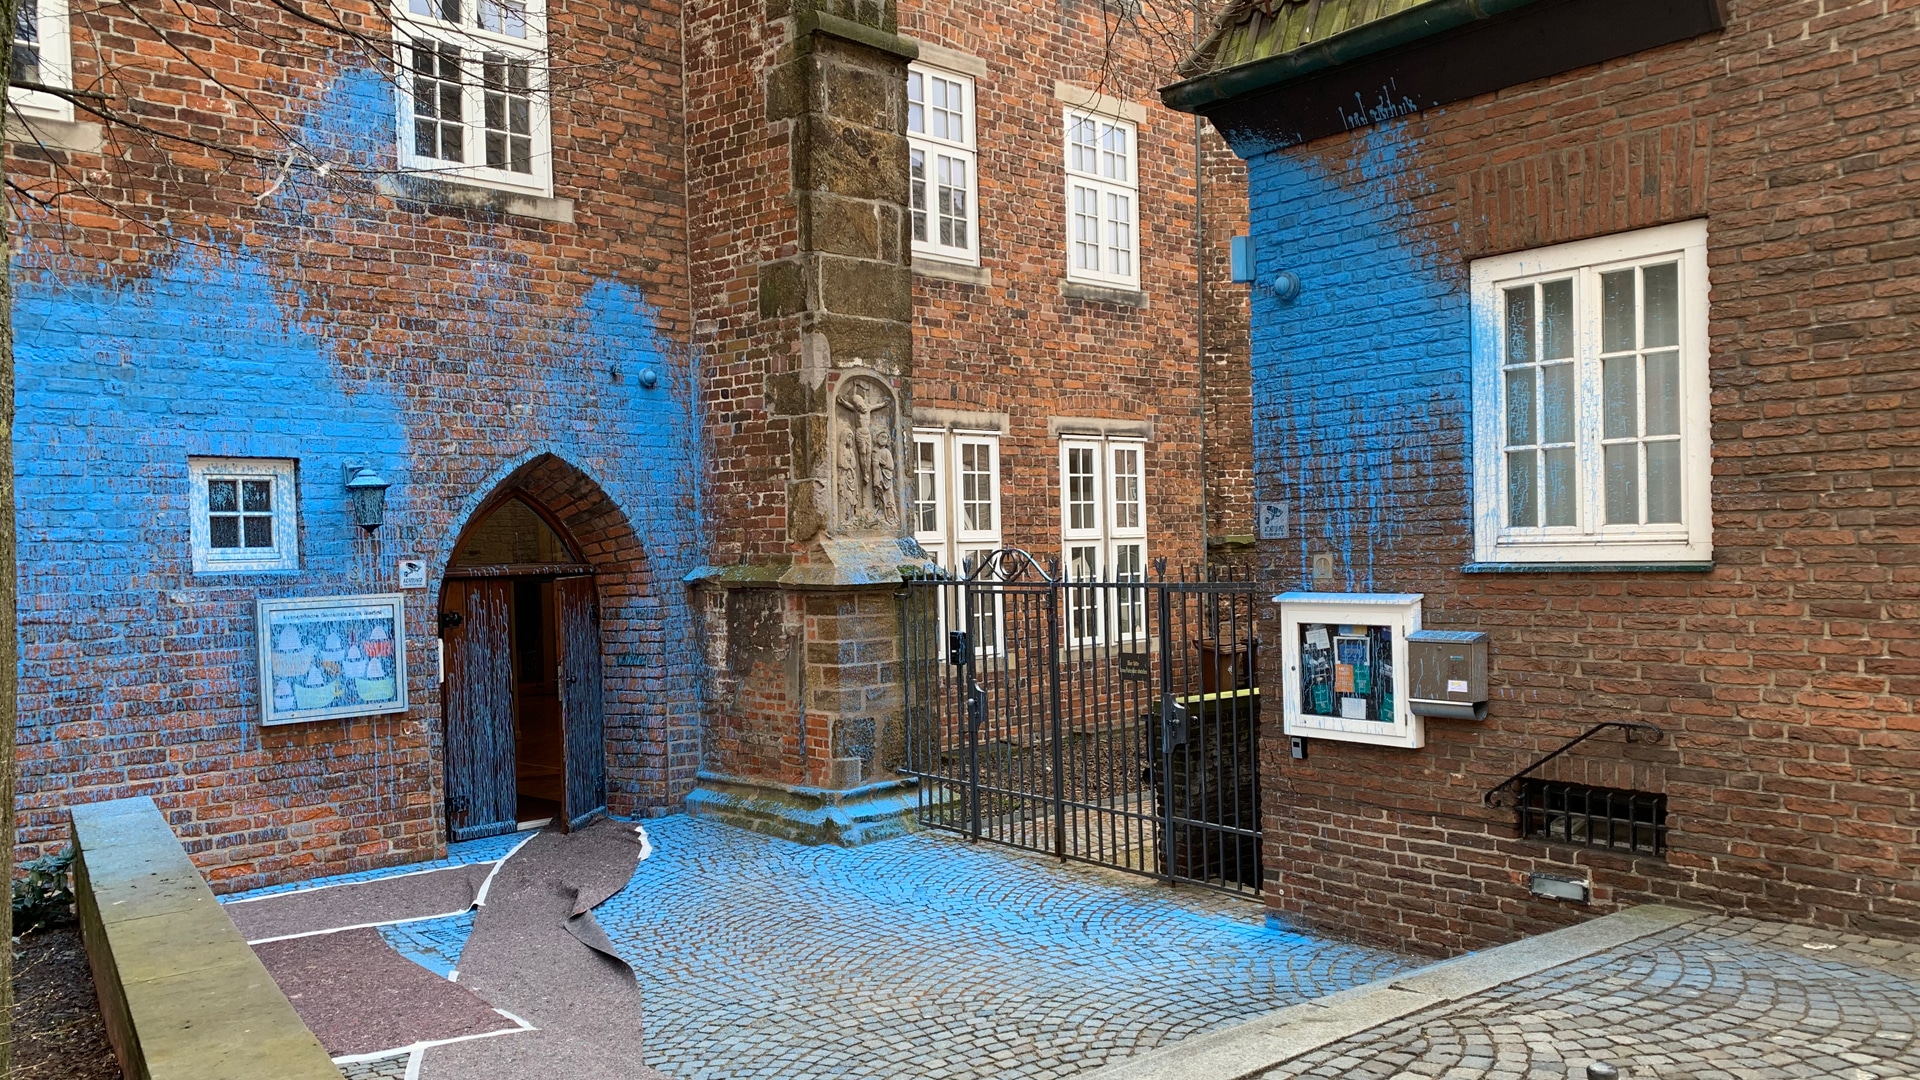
1597,817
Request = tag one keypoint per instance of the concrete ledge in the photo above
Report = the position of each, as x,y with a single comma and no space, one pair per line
1103,294
1277,1038
183,996
450,192
809,815
942,270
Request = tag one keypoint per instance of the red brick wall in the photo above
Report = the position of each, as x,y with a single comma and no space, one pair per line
1787,675
316,321
1017,346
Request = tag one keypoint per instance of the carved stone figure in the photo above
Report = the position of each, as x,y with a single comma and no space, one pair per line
866,469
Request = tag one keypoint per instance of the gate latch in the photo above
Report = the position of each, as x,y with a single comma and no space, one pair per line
959,649
976,709
1173,723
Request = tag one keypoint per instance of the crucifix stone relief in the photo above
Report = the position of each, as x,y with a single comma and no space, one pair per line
866,455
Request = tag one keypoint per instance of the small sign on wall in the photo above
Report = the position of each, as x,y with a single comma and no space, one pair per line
1273,520
329,656
413,573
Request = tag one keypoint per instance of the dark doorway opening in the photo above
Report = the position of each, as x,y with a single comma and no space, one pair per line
520,625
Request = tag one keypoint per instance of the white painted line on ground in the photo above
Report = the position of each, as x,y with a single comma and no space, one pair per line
359,926
646,843
363,881
480,898
416,1050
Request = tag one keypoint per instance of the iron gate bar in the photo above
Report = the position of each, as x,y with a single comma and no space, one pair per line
1069,703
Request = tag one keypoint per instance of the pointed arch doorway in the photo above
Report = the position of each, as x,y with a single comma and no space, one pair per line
519,620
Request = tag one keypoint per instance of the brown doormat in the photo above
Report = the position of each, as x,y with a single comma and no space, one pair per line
359,996
537,952
382,900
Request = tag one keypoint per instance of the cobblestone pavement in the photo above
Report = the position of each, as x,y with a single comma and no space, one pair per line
761,959
1714,999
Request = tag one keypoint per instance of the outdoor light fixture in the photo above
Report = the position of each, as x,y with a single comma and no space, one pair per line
367,491
1285,286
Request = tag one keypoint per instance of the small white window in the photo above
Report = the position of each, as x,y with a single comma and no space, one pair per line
956,495
474,94
1102,200
943,159
1591,422
1103,533
43,55
244,516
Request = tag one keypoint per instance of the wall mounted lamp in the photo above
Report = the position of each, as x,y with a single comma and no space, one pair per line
367,492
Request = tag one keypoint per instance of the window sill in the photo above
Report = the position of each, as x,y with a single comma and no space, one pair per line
942,270
468,195
1586,568
1103,294
28,129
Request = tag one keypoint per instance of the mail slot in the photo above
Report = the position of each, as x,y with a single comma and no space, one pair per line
1449,673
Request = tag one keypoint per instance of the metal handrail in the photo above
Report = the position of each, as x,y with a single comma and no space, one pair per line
1654,733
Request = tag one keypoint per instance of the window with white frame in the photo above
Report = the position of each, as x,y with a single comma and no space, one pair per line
1103,533
244,514
473,100
956,495
1103,197
42,55
942,160
1591,421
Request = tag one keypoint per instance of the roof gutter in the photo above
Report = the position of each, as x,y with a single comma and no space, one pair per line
1401,28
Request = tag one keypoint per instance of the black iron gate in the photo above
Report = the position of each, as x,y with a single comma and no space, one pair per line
1114,722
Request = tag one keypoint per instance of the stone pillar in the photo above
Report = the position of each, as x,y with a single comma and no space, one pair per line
804,641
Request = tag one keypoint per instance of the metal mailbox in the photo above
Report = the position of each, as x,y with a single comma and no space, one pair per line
1449,673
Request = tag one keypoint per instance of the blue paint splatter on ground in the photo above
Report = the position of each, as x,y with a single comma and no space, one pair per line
761,959
434,944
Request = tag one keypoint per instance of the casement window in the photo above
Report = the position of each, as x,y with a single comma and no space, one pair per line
943,159
1103,200
956,495
42,54
1591,439
1103,535
244,515
474,91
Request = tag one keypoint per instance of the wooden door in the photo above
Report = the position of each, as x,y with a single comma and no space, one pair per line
478,700
576,604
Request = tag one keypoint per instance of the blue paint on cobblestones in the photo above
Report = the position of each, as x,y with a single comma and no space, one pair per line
434,944
762,959
466,853
1361,385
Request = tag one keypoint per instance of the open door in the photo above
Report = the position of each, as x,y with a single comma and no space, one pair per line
577,605
476,629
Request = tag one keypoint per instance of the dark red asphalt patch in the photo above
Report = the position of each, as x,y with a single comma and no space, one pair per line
404,896
359,995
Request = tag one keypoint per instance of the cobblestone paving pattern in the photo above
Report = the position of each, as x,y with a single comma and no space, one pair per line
387,1068
1717,999
434,944
761,959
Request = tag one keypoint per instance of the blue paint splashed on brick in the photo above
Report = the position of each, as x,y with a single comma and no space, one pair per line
1360,386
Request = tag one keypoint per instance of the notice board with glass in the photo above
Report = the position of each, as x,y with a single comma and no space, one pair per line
328,656
1345,657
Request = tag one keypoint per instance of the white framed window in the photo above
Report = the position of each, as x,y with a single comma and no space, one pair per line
1590,391
1103,535
1103,200
943,159
245,515
956,495
43,54
473,96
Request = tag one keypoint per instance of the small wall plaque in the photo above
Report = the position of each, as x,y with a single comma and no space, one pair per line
330,656
1273,520
413,573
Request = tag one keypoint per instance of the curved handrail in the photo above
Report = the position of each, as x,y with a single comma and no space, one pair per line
1004,564
1654,732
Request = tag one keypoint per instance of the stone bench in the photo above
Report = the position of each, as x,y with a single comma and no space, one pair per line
183,996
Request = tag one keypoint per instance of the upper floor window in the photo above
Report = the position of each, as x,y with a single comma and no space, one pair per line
1590,401
1103,193
244,515
42,55
474,96
943,159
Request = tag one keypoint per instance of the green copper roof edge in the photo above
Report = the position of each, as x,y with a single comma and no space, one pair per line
1393,31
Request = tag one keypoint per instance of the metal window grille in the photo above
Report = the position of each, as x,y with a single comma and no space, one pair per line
1568,813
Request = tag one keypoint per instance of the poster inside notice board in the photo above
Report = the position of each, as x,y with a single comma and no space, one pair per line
1346,670
1345,656
331,656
